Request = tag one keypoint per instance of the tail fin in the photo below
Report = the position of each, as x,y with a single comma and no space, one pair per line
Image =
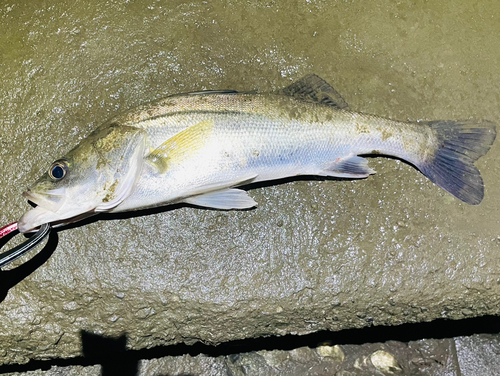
461,143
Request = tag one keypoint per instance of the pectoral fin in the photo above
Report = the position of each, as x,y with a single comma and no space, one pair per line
225,199
351,166
181,146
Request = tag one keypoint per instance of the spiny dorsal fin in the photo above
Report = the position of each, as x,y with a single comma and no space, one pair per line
314,88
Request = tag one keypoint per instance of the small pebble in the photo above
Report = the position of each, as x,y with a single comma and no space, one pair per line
385,362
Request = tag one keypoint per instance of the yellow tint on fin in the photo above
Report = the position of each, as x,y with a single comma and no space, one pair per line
181,146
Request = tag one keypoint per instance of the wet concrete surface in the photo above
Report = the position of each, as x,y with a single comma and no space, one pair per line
316,254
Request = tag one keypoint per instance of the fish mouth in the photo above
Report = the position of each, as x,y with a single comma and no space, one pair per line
35,218
51,209
51,200
38,216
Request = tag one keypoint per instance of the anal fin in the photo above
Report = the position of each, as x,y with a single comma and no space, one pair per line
224,199
352,166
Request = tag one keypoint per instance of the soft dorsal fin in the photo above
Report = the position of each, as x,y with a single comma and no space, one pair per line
313,88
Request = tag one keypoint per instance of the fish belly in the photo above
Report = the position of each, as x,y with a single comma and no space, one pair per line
216,151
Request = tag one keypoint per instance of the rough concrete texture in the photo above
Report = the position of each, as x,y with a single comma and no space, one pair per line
462,356
314,255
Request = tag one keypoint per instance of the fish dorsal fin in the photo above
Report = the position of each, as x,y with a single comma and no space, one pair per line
179,147
314,89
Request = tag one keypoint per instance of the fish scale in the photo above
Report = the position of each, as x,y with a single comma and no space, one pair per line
255,144
198,148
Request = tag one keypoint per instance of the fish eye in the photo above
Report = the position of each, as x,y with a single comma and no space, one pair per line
59,169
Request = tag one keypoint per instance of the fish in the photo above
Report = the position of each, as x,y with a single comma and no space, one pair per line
200,148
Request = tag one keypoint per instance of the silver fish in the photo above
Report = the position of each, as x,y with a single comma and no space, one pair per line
196,148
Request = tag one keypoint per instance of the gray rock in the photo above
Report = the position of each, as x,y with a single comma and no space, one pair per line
62,371
315,255
478,355
474,355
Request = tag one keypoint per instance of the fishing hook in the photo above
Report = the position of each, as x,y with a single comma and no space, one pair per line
23,248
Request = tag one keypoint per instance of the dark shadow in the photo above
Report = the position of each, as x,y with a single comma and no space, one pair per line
10,278
115,359
110,353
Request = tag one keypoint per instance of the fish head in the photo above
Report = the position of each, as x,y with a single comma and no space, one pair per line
96,176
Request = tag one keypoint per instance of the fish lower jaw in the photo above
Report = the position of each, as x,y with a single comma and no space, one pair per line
38,216
51,202
35,218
